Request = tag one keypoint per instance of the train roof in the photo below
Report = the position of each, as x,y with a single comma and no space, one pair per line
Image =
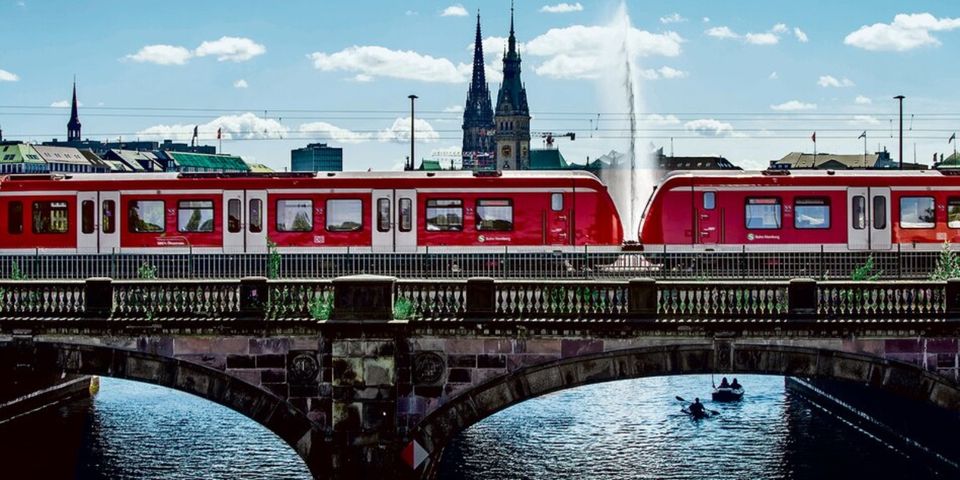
876,178
807,173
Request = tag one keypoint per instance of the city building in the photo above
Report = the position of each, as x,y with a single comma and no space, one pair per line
69,160
171,146
830,161
259,168
200,162
73,125
669,163
512,115
478,125
132,161
19,157
316,157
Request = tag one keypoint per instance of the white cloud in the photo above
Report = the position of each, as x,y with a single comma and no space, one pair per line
706,19
400,131
868,119
779,28
411,13
241,84
64,104
327,131
773,76
663,72
709,126
361,78
161,55
762,38
861,100
243,126
454,109
672,18
657,119
234,49
562,8
582,51
376,61
801,36
454,11
794,105
722,32
6,76
906,32
830,81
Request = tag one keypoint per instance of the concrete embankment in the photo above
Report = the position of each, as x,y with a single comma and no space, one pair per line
17,399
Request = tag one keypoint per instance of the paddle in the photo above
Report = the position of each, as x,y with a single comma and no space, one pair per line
679,398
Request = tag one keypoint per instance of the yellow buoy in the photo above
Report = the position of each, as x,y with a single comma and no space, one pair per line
94,385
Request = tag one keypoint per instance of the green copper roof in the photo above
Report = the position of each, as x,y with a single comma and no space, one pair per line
430,165
227,163
19,153
550,159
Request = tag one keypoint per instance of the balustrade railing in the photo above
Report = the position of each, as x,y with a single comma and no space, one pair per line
721,300
299,299
882,300
558,299
158,298
430,299
41,298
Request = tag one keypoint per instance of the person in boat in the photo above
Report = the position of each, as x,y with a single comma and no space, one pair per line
724,383
735,385
696,408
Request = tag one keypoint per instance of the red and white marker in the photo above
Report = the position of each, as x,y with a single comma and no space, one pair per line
414,454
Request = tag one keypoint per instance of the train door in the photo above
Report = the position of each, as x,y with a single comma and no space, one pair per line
109,224
394,221
708,217
234,235
383,231
255,230
869,223
88,238
405,221
558,220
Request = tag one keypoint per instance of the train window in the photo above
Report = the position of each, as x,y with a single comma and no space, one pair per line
295,215
196,216
915,212
107,223
495,215
709,200
86,216
880,212
234,215
15,218
146,216
50,217
383,215
444,215
256,215
556,202
406,214
763,213
953,213
811,213
859,217
344,215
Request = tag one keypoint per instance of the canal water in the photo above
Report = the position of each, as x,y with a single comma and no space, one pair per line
619,430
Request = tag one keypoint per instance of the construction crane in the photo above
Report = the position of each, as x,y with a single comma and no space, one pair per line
550,137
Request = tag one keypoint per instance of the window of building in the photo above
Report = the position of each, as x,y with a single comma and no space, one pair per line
763,213
146,216
15,218
953,212
859,217
406,214
709,200
50,217
383,215
915,212
233,215
811,213
556,202
256,215
295,215
344,215
879,212
195,216
495,215
87,215
108,223
444,215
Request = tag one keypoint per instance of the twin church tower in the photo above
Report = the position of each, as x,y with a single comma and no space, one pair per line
496,138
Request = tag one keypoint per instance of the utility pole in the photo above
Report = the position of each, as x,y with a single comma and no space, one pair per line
901,97
412,162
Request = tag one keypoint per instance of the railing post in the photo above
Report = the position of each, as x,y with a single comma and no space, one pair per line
953,300
481,297
254,297
364,298
642,300
802,298
98,297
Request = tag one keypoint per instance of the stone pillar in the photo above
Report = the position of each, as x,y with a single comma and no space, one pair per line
802,299
953,299
481,297
363,297
98,297
642,304
254,296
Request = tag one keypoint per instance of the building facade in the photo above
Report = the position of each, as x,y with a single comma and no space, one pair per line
316,157
478,127
512,115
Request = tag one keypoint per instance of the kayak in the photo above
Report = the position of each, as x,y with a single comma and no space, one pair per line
727,394
695,416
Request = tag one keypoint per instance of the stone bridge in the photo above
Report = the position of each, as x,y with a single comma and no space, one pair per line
369,376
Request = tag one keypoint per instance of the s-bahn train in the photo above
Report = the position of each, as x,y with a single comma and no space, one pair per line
803,211
401,212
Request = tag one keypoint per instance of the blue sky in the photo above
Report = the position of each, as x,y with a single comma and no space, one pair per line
749,80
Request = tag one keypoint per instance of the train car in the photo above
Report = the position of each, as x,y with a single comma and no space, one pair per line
803,211
389,212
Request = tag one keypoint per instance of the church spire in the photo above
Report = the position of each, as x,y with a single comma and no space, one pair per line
73,126
479,78
478,124
513,39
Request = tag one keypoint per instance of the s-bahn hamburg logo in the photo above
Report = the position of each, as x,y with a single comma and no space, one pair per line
750,237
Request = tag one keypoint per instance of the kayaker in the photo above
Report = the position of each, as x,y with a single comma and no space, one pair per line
735,385
696,408
724,383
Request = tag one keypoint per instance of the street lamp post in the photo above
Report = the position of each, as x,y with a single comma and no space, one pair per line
412,161
901,97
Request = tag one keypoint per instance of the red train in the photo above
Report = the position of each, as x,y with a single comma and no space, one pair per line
328,212
778,211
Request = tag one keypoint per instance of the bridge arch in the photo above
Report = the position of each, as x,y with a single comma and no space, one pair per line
264,407
470,407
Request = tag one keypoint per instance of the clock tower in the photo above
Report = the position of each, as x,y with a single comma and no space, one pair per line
512,116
